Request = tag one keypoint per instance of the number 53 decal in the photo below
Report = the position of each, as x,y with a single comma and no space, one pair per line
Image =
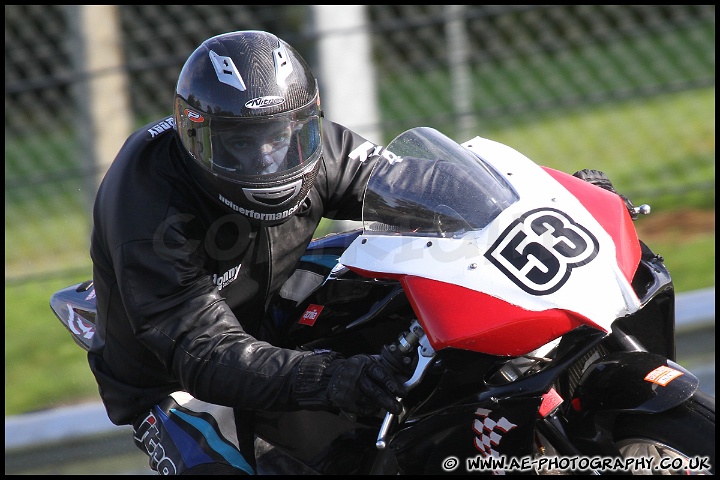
539,250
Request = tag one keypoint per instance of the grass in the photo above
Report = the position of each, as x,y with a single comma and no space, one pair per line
641,155
686,240
691,263
44,368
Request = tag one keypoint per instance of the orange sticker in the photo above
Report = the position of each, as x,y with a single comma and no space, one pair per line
663,375
311,314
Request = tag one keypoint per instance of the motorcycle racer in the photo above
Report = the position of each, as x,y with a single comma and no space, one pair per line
200,220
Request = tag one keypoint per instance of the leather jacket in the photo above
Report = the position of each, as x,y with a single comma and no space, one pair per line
183,282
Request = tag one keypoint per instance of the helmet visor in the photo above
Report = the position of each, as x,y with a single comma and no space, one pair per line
250,149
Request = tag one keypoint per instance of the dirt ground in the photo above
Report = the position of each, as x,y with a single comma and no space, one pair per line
684,224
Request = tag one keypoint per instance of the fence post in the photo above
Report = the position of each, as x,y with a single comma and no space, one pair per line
458,58
103,93
346,74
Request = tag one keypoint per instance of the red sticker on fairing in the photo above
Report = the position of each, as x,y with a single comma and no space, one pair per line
311,314
550,401
663,375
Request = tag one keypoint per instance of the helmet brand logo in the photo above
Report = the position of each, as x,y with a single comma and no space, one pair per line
194,116
226,71
264,102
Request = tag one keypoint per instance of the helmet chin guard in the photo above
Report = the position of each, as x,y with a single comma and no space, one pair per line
273,195
247,111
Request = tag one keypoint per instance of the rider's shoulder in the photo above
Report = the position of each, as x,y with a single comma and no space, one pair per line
157,128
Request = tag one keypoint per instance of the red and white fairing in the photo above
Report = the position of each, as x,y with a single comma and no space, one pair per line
556,253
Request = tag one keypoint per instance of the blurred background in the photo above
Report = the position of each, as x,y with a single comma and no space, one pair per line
628,89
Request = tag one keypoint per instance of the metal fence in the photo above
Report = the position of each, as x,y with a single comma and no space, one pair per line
627,89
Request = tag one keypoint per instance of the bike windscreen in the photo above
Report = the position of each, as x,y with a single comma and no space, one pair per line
426,184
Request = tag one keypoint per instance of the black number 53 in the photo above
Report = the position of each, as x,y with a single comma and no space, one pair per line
539,250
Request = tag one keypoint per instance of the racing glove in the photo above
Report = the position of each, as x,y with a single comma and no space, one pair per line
361,384
598,178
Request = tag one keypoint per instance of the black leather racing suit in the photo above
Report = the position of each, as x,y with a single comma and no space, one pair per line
182,281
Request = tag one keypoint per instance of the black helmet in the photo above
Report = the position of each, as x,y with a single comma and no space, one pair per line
247,110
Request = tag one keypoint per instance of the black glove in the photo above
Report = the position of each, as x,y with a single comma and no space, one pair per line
360,384
598,178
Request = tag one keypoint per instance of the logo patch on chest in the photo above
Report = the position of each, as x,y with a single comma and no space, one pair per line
222,281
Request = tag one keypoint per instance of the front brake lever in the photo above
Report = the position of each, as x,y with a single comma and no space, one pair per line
425,355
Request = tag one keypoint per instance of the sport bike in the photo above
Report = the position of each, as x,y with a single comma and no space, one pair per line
537,331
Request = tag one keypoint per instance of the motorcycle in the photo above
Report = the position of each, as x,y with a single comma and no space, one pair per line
538,328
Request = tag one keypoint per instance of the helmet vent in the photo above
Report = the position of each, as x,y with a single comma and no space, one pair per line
283,66
273,196
226,71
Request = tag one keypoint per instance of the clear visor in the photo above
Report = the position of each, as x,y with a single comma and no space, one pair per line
238,149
